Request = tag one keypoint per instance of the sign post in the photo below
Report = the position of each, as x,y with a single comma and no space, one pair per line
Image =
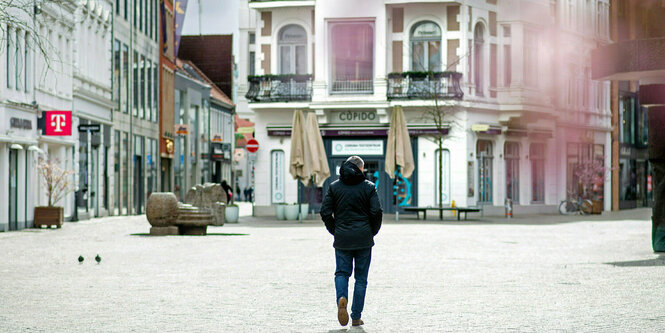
252,146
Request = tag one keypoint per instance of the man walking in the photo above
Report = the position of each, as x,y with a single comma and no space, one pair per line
352,213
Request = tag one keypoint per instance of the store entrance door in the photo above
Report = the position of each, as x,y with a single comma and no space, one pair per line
138,184
13,189
374,172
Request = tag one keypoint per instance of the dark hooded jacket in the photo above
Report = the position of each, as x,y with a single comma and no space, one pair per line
351,210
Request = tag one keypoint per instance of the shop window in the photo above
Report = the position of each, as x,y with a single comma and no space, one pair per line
511,153
292,45
125,169
478,58
537,157
426,47
642,127
116,172
485,157
627,119
444,192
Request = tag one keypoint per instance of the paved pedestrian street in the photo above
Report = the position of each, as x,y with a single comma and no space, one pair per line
594,274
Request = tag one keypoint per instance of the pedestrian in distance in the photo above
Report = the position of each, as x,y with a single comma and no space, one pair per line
228,190
352,213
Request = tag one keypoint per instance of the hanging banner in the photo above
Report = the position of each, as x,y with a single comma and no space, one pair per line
180,9
277,176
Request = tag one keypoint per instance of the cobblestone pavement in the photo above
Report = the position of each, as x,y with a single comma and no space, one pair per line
530,274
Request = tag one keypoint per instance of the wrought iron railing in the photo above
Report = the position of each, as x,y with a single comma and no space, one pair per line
423,85
342,85
279,88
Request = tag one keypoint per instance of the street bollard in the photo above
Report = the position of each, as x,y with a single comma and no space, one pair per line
452,205
509,208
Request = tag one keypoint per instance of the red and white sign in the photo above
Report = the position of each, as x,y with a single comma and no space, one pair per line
252,146
649,184
58,123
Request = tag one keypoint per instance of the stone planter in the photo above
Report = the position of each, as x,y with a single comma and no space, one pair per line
279,212
49,216
304,210
161,210
231,214
219,213
291,212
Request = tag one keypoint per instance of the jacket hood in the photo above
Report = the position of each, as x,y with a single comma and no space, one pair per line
350,174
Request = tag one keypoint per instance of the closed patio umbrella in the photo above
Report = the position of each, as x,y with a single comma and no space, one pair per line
315,157
298,167
399,154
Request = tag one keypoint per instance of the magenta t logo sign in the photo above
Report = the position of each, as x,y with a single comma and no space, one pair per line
58,123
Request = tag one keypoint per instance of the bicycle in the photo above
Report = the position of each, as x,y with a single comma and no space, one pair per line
579,206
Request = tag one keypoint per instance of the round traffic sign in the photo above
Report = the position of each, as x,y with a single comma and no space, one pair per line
252,146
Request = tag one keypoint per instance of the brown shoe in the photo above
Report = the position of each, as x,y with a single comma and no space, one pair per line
357,322
342,315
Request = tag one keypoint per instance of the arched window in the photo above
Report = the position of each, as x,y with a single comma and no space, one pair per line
426,47
292,43
478,46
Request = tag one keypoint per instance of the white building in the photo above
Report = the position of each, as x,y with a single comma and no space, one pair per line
31,82
514,72
93,105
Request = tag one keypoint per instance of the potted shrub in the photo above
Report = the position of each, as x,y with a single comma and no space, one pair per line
591,179
57,183
279,211
231,213
291,211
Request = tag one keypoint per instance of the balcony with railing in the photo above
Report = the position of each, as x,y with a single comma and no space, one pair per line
424,85
279,88
351,85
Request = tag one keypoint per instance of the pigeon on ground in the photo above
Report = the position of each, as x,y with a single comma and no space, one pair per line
98,259
81,259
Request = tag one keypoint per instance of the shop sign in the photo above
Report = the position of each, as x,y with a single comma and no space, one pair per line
58,123
354,117
357,147
20,123
89,128
277,173
245,130
216,138
181,129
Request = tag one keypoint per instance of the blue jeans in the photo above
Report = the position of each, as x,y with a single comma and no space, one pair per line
344,260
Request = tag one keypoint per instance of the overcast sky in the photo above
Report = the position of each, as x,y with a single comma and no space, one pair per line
217,17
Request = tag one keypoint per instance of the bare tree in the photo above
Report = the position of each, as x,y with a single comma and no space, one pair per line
442,88
57,181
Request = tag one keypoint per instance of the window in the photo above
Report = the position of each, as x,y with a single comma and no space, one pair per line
426,47
10,59
116,72
148,70
18,55
136,96
485,158
142,84
292,45
627,116
507,67
444,194
506,30
124,7
252,65
124,80
352,57
537,156
530,58
478,60
155,93
511,152
252,38
642,126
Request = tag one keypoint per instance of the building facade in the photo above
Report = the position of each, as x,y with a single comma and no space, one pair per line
93,107
136,115
507,83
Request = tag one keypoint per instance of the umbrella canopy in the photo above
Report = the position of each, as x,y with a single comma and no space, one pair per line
315,154
398,150
297,166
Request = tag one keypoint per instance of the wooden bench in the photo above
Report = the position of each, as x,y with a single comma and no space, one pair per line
424,210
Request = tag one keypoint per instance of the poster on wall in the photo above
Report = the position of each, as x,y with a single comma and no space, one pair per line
277,173
357,147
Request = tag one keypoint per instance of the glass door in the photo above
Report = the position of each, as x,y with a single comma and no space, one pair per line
13,189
